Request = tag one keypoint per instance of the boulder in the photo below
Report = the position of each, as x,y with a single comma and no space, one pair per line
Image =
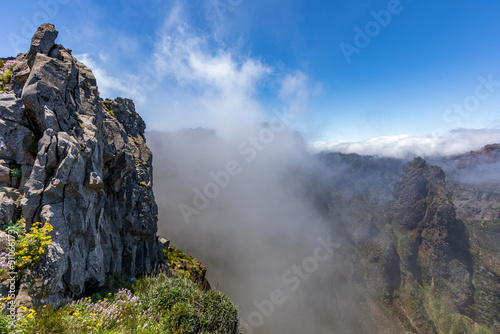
43,40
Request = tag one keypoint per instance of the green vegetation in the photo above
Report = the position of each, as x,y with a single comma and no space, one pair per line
153,304
111,112
447,321
29,246
77,116
17,227
15,172
404,244
428,307
184,265
158,304
6,68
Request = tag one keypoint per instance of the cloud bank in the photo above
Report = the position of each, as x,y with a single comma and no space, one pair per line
404,146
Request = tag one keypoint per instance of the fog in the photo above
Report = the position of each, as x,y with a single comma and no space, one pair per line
475,172
247,208
484,174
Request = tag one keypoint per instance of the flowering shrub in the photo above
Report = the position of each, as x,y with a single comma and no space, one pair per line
105,314
4,264
30,246
6,72
161,305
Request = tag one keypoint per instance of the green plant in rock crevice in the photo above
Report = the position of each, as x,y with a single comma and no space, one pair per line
15,172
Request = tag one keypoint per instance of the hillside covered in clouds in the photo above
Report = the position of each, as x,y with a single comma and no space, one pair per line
412,242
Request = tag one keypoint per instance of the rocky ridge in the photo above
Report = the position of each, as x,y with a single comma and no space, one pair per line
84,168
410,261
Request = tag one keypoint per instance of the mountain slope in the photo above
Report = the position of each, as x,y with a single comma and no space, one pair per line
405,254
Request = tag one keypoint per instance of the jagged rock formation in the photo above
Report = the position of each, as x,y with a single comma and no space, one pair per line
432,243
424,212
85,169
409,262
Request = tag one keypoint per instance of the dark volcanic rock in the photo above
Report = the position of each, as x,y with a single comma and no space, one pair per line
43,40
433,243
84,171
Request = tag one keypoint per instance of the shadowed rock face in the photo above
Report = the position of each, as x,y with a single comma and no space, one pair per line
404,251
437,243
87,173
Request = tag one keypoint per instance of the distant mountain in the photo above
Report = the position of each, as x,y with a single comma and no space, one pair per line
417,241
421,250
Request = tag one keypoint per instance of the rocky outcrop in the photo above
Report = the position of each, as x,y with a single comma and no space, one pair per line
85,168
489,154
407,256
432,242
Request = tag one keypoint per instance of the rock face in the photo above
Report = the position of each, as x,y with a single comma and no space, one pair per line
410,261
432,243
424,212
85,169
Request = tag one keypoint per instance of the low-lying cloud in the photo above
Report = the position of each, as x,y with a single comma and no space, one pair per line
254,224
403,146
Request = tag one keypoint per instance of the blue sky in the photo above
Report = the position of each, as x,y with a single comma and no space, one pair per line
227,63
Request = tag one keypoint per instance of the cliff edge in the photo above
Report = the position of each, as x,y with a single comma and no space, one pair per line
71,159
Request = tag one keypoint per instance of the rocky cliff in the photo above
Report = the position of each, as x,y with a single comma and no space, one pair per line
80,163
409,260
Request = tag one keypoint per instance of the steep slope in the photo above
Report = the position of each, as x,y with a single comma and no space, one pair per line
433,246
85,169
406,262
475,186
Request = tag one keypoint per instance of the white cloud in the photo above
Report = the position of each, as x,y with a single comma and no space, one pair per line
190,78
112,86
296,91
211,85
174,18
405,146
